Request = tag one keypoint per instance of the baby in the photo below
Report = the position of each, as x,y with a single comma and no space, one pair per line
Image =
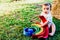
46,8
46,12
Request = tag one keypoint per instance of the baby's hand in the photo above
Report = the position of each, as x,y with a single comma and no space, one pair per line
42,25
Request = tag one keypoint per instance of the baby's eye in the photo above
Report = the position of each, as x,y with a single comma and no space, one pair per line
47,8
44,8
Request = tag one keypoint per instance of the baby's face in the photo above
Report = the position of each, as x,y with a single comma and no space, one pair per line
46,9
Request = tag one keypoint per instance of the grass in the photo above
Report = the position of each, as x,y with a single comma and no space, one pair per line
11,25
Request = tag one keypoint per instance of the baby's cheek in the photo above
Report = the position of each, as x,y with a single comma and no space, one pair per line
43,10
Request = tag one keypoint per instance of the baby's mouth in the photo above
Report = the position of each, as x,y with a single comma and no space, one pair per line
46,12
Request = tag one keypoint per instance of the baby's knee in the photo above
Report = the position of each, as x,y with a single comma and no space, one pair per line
52,30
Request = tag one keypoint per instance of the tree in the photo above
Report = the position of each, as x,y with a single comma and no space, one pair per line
56,8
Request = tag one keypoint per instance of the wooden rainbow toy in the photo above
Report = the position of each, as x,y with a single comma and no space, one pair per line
36,30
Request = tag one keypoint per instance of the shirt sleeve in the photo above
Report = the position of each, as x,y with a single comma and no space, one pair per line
50,18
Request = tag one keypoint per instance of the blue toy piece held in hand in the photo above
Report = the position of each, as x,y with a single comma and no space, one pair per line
28,31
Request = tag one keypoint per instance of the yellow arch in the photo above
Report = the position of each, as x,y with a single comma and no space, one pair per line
40,30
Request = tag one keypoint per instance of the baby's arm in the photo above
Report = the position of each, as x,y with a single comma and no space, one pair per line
44,24
43,20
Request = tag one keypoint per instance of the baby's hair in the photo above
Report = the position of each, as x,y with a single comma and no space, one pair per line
47,4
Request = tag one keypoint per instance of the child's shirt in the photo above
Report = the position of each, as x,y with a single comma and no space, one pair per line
47,16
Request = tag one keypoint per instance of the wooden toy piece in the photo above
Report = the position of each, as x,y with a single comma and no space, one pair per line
45,32
28,31
42,18
38,28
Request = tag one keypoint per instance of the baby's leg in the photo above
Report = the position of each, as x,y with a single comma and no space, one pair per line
52,29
